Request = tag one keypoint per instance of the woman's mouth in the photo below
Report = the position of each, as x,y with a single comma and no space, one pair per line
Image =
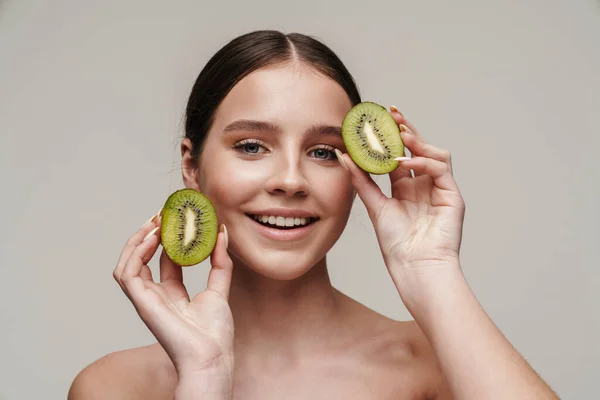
283,223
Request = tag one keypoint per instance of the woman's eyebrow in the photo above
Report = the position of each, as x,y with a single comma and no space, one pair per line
328,130
247,125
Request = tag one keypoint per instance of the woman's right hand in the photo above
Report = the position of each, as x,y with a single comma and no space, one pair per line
197,334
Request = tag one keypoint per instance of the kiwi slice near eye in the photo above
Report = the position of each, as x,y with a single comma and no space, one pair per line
372,138
188,227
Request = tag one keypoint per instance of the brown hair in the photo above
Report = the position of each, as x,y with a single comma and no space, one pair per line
248,53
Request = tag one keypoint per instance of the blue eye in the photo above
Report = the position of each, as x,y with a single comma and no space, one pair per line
250,146
324,153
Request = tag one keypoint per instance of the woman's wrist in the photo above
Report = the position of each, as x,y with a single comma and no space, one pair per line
209,384
430,291
473,353
421,285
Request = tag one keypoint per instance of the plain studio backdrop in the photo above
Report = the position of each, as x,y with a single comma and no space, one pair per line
92,96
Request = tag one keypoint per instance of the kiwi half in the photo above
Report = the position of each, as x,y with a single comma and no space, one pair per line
372,138
188,227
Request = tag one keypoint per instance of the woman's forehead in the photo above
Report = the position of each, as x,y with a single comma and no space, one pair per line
284,92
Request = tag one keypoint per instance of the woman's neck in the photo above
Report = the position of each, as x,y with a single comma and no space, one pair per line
286,317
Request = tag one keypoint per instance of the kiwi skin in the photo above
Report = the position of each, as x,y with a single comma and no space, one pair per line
387,131
172,222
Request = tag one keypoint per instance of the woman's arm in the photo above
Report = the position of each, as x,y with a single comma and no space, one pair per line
419,231
476,358
196,333
206,385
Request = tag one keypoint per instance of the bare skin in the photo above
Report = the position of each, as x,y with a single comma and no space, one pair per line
372,357
296,337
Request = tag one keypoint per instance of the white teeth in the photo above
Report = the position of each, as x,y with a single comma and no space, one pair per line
282,221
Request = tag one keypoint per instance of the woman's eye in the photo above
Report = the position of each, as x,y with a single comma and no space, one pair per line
250,147
324,153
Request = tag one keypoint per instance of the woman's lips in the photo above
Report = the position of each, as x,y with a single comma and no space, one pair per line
285,233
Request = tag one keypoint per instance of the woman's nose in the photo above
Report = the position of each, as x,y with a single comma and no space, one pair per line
288,178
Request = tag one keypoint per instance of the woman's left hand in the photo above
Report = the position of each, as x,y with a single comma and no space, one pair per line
420,226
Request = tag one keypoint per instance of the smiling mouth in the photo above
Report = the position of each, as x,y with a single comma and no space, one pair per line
284,223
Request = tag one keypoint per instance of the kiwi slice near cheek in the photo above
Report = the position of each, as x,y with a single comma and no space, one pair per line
188,227
372,138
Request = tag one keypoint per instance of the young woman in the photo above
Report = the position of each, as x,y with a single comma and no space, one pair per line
263,142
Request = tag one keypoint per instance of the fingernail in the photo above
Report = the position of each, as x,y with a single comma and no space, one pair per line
404,128
393,108
224,230
151,219
402,158
159,213
152,232
341,160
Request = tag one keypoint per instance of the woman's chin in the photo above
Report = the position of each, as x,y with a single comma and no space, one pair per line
277,266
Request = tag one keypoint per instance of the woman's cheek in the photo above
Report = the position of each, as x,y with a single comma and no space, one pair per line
337,187
234,182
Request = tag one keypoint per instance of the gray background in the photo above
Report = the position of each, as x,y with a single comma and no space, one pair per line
91,104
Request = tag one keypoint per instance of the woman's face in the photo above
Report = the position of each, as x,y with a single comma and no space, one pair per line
269,167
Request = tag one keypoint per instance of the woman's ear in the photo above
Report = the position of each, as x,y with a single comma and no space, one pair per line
189,166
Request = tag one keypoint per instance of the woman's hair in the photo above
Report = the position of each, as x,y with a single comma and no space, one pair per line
248,53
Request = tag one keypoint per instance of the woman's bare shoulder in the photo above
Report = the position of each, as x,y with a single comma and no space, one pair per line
403,354
422,364
139,373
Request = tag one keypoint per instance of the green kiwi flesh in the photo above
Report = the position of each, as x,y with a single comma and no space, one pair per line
188,227
372,138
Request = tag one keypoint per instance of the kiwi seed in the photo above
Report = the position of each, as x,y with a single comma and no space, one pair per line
372,138
188,227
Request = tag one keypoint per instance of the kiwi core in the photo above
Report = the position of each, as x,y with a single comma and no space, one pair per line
190,226
372,138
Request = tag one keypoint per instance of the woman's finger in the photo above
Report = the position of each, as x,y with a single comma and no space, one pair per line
368,191
146,274
219,277
399,173
169,271
404,187
418,147
131,244
171,279
131,279
401,120
437,170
